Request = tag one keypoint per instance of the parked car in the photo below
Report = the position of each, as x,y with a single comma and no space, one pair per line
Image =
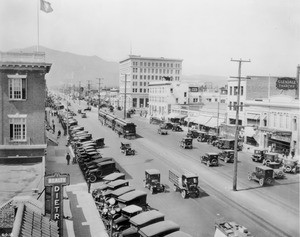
152,181
227,156
262,174
290,166
259,155
103,169
159,229
278,170
83,115
126,149
87,108
167,125
162,131
202,136
177,128
186,143
193,133
271,157
228,144
210,159
135,197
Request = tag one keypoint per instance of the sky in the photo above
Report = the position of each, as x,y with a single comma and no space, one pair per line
206,34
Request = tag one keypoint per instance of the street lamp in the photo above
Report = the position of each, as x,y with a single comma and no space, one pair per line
111,209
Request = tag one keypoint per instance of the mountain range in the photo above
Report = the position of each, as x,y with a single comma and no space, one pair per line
70,68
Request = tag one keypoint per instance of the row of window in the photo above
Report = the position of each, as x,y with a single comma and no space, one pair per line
152,64
234,90
135,83
135,90
233,106
156,71
152,77
157,99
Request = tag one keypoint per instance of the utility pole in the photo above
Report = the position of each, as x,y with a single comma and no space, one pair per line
240,61
125,95
99,86
89,91
79,92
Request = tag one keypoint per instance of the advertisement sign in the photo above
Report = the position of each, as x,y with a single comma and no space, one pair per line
286,83
194,89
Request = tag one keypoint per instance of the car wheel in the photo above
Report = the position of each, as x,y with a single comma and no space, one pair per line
249,177
214,162
269,181
288,168
280,174
261,182
93,178
175,188
226,160
183,194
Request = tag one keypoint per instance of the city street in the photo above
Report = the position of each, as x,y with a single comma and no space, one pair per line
265,211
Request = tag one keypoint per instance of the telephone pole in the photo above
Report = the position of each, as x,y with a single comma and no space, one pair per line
240,61
99,86
125,95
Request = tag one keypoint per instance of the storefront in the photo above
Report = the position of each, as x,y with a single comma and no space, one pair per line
276,140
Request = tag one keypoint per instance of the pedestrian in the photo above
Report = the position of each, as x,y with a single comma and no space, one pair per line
53,127
89,184
68,157
58,134
293,153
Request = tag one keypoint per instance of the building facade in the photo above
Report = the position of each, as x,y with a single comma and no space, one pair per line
22,103
137,72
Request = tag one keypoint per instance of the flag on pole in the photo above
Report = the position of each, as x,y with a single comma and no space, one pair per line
46,6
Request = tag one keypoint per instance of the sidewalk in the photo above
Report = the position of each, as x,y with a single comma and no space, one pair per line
85,219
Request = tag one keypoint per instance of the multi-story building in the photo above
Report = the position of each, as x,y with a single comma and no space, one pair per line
22,104
137,72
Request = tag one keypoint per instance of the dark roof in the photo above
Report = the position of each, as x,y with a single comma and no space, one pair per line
114,176
152,171
131,195
178,234
159,228
120,191
146,217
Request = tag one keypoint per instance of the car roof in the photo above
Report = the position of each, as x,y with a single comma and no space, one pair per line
227,139
114,176
145,217
132,195
117,183
272,153
158,228
190,175
152,171
178,234
264,167
229,150
106,163
132,208
120,191
211,153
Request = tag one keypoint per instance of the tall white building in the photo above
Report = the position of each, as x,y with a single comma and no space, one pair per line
138,72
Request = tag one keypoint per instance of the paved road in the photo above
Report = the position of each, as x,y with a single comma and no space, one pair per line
268,211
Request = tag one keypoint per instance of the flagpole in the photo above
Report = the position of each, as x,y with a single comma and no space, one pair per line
38,25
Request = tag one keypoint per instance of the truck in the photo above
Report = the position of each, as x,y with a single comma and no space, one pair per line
184,182
230,229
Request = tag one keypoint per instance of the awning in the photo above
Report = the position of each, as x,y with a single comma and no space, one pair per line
172,115
213,122
181,116
253,116
201,120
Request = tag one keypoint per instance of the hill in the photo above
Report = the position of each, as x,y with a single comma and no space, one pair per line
72,68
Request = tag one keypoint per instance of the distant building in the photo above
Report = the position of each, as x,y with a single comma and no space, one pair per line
22,103
140,71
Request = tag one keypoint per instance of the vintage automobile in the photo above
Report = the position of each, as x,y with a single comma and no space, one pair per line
271,157
154,120
227,156
290,166
216,142
83,115
192,133
259,155
210,159
278,170
79,111
262,174
122,222
99,143
87,108
202,136
152,181
177,128
211,138
103,169
159,229
135,197
186,142
141,220
228,144
162,131
167,125
126,149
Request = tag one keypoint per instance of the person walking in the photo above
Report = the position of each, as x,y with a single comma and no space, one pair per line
68,157
53,127
58,134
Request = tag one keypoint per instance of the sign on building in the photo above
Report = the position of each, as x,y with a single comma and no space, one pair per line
286,83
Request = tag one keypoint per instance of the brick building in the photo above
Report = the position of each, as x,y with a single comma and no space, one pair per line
22,104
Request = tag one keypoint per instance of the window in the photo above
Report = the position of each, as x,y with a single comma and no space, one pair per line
171,90
234,105
141,90
230,105
242,90
242,104
17,128
184,94
235,89
195,100
17,87
295,123
230,90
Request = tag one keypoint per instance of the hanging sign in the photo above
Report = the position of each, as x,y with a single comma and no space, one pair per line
286,83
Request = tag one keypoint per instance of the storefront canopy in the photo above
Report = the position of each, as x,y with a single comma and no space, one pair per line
213,122
202,120
176,116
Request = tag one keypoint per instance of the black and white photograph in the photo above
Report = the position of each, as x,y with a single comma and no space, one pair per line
149,118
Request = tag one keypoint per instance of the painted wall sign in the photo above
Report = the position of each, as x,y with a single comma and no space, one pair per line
286,83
